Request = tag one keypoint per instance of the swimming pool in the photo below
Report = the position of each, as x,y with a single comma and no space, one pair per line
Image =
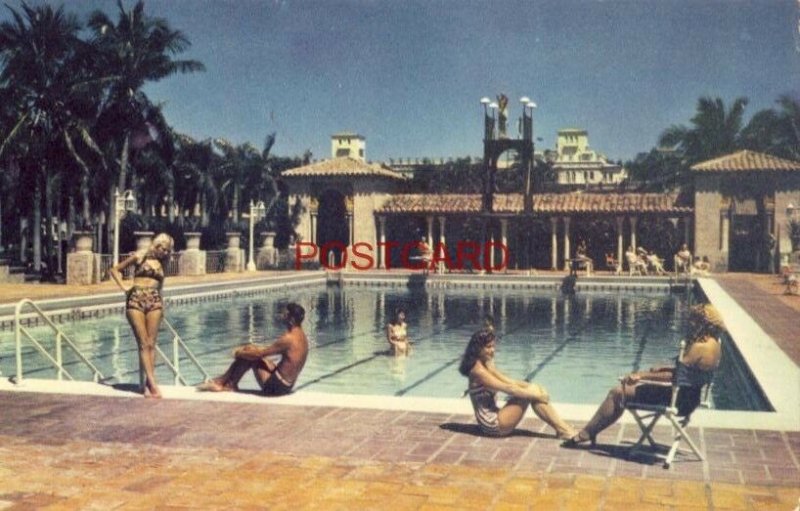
575,346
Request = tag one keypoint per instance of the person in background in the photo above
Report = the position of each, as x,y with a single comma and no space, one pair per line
144,304
397,334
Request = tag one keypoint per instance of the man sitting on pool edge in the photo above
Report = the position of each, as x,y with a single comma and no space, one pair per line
275,380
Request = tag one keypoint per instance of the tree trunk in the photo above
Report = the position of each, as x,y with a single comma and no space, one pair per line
235,205
36,228
71,217
86,210
49,183
109,223
122,185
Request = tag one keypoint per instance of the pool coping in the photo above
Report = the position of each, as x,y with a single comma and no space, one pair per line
578,413
773,370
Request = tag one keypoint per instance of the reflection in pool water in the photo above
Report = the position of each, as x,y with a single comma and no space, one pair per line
575,346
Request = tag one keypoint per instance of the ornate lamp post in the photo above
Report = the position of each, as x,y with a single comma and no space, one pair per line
122,204
257,211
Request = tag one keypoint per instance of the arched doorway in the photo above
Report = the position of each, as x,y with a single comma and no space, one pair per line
333,232
748,237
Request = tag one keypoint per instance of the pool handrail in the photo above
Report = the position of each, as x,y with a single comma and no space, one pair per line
177,345
57,362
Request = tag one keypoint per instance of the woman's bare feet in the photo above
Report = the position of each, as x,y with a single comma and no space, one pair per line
152,392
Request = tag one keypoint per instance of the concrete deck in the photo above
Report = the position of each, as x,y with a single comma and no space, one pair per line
61,451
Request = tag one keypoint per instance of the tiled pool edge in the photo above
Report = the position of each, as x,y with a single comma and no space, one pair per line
776,374
662,284
572,412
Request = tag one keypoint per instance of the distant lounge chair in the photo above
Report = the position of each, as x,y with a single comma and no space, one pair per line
635,265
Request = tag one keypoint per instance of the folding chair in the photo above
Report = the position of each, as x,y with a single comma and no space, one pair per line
678,418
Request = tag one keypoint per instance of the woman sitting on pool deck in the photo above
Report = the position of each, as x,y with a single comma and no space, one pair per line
701,356
485,380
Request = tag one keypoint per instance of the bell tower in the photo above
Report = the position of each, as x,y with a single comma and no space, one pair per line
348,144
496,141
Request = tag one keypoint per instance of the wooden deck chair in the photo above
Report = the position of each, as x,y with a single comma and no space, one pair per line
677,415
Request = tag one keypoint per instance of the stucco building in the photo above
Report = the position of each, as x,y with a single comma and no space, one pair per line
738,201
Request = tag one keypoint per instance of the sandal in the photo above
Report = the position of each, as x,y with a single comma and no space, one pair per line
579,439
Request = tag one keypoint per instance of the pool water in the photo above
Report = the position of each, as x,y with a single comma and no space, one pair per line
576,346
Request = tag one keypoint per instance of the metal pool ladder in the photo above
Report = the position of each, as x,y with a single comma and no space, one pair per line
175,365
61,338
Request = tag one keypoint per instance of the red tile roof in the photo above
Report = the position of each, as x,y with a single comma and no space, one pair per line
746,161
343,166
542,203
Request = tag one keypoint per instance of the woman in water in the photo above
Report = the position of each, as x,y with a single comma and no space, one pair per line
144,305
397,334
485,380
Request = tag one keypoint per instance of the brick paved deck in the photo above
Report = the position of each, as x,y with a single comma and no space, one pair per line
77,452
81,452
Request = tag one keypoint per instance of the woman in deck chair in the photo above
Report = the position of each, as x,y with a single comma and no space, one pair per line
701,357
485,380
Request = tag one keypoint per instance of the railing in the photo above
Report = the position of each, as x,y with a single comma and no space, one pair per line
175,366
172,268
61,337
107,261
215,261
178,346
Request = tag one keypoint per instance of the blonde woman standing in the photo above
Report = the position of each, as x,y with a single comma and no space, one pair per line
144,305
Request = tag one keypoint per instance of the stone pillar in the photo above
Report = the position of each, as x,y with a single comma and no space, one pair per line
429,235
633,232
233,253
382,242
725,226
192,261
441,267
554,242
620,241
267,254
80,263
503,236
566,243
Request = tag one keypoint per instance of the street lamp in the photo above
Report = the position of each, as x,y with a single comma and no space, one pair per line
488,120
256,212
122,204
790,211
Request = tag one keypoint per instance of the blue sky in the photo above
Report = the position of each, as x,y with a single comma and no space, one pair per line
408,75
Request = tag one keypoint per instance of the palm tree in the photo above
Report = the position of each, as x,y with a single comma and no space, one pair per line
776,132
715,131
45,79
193,167
136,50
